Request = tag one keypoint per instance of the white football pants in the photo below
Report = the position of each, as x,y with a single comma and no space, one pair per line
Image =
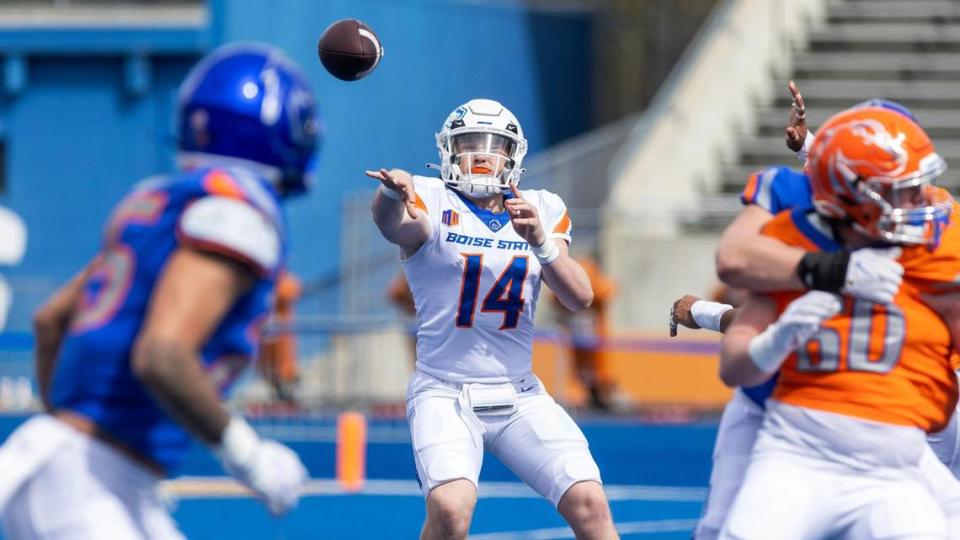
70,486
538,440
815,474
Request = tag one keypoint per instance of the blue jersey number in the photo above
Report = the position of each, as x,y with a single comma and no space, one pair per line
506,295
106,289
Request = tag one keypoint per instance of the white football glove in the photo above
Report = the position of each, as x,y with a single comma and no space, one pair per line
873,275
795,326
270,469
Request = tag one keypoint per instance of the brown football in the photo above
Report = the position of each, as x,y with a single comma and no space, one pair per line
349,49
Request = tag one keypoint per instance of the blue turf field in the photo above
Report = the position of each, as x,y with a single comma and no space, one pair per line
655,476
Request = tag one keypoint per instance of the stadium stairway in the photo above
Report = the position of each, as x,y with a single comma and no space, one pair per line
904,50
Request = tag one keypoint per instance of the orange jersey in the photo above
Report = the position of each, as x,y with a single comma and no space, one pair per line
888,364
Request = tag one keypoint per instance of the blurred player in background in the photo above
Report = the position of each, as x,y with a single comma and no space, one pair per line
466,241
587,330
852,404
134,354
398,292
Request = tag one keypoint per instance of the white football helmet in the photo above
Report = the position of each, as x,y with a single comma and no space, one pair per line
481,148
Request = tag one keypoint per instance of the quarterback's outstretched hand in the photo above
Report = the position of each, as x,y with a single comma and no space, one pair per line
397,184
270,469
525,219
797,125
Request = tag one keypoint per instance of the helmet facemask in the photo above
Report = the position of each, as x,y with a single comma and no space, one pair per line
909,210
479,163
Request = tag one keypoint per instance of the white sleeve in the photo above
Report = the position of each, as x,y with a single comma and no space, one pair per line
429,191
804,151
555,218
233,228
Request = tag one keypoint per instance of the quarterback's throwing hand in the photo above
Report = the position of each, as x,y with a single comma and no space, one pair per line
400,183
525,219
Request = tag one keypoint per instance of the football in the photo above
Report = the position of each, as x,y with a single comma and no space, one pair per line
349,49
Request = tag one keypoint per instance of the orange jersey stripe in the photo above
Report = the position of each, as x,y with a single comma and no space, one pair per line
750,190
218,182
563,227
886,364
420,204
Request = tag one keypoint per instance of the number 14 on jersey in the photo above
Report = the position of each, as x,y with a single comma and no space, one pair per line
505,296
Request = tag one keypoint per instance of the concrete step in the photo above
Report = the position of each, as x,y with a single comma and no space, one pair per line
887,37
935,11
904,50
832,94
867,65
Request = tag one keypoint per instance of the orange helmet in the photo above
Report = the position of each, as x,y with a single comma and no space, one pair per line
875,168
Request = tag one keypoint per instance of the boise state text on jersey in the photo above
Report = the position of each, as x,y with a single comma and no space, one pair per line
476,285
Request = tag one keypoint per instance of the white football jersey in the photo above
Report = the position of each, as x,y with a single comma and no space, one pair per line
475,284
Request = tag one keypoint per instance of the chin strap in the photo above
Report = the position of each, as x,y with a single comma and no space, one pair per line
433,166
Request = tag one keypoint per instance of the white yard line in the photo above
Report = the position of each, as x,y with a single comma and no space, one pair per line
217,487
626,527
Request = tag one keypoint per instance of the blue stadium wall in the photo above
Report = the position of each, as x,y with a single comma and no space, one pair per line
86,112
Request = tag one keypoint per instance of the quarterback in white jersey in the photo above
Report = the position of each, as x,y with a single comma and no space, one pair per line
475,249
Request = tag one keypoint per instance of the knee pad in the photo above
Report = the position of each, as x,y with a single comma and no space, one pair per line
446,467
566,469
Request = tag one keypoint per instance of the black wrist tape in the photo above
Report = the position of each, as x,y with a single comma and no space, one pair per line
824,271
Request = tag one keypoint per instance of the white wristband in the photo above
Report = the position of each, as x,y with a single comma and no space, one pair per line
767,349
238,442
547,253
805,151
390,193
708,314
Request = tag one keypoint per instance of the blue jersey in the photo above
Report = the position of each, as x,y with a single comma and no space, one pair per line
93,374
775,189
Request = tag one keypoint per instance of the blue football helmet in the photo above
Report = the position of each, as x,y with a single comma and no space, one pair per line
250,104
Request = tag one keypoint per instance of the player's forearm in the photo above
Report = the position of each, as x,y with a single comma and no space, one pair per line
570,282
726,319
737,368
50,324
396,225
47,336
388,214
758,263
174,377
